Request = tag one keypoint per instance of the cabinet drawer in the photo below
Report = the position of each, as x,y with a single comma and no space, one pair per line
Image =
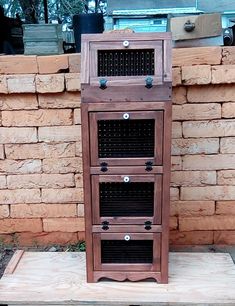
126,138
126,199
127,251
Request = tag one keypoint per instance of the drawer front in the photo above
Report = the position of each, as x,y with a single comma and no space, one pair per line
126,61
126,138
127,251
126,199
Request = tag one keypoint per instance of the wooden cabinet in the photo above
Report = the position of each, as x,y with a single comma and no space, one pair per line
126,133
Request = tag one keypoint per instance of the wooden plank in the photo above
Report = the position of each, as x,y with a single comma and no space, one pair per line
13,262
207,25
52,278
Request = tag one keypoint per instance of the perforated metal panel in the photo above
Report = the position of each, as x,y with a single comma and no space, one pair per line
126,138
132,251
126,199
126,62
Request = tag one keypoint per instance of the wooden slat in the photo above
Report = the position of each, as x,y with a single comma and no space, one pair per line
13,262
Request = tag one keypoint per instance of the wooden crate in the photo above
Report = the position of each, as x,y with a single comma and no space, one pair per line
126,128
42,39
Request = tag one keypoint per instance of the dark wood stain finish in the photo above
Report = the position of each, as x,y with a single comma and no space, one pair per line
126,139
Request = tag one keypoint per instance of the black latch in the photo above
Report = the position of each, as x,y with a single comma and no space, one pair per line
103,83
149,82
105,225
147,225
104,167
149,166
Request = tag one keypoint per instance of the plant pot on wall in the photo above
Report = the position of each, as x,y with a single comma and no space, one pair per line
86,23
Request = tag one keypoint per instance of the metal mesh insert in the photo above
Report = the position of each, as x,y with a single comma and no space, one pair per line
126,138
124,252
126,199
125,62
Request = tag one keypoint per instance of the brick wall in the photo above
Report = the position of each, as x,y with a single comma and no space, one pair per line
41,195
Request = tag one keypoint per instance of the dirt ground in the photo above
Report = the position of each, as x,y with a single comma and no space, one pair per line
5,256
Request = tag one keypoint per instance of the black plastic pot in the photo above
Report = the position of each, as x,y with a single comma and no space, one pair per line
86,23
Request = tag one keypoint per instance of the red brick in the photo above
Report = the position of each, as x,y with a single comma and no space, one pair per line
191,238
17,64
196,75
173,223
197,56
209,162
225,208
48,83
63,225
28,239
66,195
195,146
227,145
226,177
6,239
213,128
20,196
52,64
176,163
208,193
75,62
62,165
2,152
193,178
43,210
211,93
3,84
4,211
79,180
20,225
176,76
61,100
64,133
21,83
72,82
228,55
179,95
17,135
77,116
43,180
20,167
196,111
37,117
223,74
79,148
224,237
215,222
3,182
18,101
174,194
80,210
40,150
228,110
192,208
176,129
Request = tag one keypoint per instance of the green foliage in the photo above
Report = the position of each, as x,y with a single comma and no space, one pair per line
77,247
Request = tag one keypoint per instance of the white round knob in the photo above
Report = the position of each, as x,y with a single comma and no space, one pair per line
126,116
126,179
126,43
127,237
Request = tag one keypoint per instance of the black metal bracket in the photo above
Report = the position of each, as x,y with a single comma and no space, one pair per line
149,166
149,82
105,225
103,83
104,167
147,225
